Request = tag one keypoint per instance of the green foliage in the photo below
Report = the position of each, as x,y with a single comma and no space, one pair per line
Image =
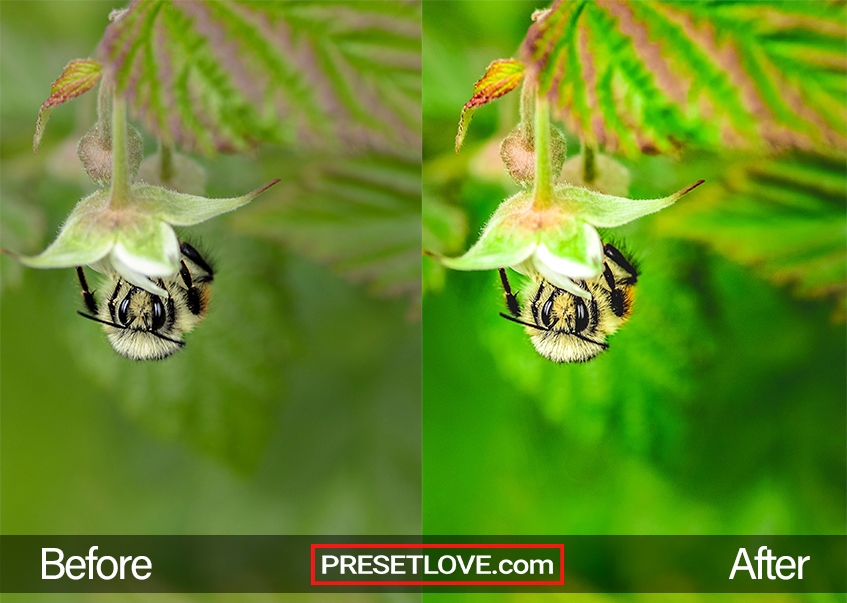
702,417
359,215
294,373
650,76
225,76
339,78
785,218
22,227
444,229
719,407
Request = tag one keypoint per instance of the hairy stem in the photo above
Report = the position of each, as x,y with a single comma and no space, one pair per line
543,191
104,108
527,109
120,161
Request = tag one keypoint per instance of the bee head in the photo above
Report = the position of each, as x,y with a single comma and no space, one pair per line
141,310
138,326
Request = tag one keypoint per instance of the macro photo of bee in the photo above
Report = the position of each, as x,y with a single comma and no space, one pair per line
567,328
143,326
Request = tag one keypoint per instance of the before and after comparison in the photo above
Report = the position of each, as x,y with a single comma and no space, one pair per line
402,300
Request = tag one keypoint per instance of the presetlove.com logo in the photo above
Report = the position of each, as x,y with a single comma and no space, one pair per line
437,564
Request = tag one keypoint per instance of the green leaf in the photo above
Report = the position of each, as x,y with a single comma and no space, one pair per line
501,77
651,76
785,218
79,77
361,216
224,76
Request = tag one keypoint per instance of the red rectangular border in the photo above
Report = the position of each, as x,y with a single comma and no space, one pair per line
560,582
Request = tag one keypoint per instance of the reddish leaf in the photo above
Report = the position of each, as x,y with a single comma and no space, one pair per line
79,77
501,77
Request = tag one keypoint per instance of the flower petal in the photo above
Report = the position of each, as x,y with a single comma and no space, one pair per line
561,281
148,247
180,209
129,274
82,240
579,255
606,211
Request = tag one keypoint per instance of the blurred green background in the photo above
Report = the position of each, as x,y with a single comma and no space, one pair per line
718,409
293,409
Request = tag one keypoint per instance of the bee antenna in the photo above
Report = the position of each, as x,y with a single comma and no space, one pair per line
179,343
101,321
117,326
520,322
577,335
588,340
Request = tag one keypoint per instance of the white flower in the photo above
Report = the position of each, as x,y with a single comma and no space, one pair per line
559,241
135,240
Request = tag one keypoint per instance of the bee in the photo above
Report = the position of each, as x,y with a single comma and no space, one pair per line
144,326
567,328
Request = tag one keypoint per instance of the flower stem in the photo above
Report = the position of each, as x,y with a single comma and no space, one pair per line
543,191
527,109
104,108
120,161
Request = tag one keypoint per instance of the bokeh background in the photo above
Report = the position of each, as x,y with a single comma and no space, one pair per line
718,409
293,409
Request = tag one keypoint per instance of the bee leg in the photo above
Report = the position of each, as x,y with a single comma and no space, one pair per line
610,278
616,300
616,297
193,293
87,295
113,300
511,300
194,255
617,257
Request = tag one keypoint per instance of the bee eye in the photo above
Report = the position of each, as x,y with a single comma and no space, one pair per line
545,313
581,312
123,311
158,314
